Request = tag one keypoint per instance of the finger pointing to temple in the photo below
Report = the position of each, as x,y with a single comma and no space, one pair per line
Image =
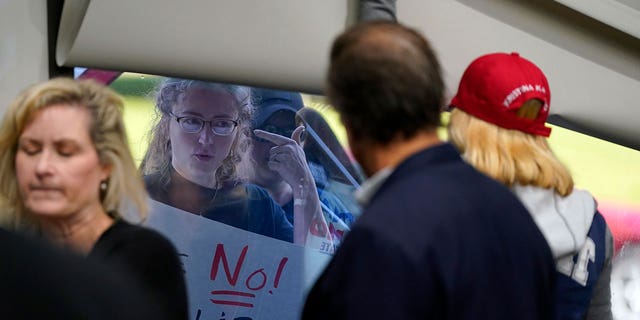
273,137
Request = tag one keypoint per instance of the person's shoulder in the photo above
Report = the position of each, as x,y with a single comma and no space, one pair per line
257,193
436,192
44,282
21,247
261,202
447,180
137,231
126,234
153,184
367,245
255,189
433,166
151,179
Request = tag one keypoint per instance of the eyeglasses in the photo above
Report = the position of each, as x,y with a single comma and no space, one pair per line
221,127
285,132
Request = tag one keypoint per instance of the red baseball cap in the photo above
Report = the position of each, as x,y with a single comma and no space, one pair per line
495,86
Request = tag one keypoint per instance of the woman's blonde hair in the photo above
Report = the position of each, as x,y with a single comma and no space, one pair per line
157,160
509,156
107,132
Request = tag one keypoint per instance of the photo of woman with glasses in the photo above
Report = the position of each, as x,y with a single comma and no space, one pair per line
191,163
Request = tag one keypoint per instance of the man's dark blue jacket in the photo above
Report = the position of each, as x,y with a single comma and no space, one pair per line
439,240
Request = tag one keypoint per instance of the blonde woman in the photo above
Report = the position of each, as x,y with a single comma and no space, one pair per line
192,160
498,124
67,173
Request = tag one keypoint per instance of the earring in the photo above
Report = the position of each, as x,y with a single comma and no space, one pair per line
103,186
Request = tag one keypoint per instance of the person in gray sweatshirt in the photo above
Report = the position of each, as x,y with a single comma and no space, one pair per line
498,124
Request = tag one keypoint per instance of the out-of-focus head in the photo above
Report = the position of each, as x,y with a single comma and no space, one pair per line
199,131
275,111
60,140
496,86
268,102
385,81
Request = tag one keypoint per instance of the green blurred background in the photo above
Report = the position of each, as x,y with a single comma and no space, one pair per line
608,170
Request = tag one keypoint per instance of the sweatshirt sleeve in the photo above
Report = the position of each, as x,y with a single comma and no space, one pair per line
600,305
377,10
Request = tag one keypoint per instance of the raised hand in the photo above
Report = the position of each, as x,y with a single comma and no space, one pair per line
287,157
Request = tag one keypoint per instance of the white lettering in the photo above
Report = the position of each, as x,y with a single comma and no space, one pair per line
578,271
587,253
515,93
